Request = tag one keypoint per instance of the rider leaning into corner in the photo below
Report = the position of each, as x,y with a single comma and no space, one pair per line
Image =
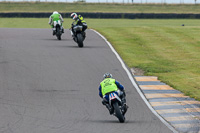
78,20
109,85
56,17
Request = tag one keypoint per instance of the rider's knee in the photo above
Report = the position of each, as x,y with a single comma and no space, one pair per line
120,93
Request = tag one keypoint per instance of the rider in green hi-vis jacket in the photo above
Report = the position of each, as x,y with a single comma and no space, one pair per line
111,85
56,17
108,85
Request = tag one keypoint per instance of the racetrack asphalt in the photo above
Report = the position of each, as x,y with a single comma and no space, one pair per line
51,86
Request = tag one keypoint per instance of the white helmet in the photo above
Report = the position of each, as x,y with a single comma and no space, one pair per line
55,12
107,75
74,16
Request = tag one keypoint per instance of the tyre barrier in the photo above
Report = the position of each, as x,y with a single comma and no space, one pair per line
107,15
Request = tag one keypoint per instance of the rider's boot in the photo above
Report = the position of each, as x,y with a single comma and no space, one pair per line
54,31
72,33
62,29
111,110
84,34
124,105
124,108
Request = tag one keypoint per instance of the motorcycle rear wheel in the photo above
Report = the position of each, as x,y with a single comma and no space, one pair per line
80,40
58,33
118,113
59,37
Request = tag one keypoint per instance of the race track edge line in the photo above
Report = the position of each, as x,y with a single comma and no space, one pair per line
134,83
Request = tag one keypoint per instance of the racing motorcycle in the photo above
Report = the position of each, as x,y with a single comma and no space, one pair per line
78,35
117,105
58,31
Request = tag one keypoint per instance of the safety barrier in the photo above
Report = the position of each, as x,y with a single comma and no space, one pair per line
108,15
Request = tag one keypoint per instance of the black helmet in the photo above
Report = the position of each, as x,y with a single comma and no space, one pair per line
107,75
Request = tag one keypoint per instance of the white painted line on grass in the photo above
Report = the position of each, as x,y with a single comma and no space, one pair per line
134,83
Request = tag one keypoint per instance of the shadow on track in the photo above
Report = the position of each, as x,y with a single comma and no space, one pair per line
103,121
54,39
115,121
74,46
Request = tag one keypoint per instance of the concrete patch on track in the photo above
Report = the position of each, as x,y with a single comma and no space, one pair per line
181,111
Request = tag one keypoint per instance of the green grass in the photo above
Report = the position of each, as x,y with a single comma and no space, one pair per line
97,7
161,48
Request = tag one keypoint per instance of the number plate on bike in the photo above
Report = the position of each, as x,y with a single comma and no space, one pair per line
112,96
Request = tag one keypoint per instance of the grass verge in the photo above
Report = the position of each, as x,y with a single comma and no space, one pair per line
98,7
162,48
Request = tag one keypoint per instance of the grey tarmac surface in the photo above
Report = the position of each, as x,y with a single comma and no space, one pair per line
51,86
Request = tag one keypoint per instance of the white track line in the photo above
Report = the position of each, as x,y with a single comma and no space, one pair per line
134,83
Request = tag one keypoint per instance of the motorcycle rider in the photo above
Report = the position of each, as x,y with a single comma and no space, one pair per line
78,20
56,17
109,85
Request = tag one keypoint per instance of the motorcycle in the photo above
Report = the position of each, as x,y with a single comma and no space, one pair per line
117,105
78,35
58,29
